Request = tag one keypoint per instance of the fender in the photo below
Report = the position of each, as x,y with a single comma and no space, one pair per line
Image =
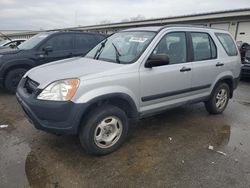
228,77
85,95
16,63
222,76
107,97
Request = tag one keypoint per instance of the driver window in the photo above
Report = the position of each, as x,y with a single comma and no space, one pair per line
173,45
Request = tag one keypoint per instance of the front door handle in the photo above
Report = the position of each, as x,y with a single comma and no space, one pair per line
40,55
219,64
185,69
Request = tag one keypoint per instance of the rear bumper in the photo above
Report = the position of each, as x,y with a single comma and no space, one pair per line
236,82
51,116
245,71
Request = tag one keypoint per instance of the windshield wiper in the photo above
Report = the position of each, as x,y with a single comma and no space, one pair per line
117,54
98,52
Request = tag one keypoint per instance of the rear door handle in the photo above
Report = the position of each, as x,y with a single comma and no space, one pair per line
185,69
219,64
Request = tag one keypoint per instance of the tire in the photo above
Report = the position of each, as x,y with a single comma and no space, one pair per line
12,79
98,135
213,105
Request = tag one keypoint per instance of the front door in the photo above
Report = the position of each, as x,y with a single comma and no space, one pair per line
61,47
169,84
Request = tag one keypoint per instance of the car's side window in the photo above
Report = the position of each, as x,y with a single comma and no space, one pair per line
203,46
61,42
227,43
85,41
175,46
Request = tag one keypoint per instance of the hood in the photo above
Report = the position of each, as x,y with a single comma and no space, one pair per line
8,51
69,68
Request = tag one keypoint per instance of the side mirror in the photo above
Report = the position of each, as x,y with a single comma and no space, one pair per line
156,60
48,49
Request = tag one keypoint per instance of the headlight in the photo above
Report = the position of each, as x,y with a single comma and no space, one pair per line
62,90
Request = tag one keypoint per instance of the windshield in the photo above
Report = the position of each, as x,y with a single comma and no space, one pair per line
33,41
122,47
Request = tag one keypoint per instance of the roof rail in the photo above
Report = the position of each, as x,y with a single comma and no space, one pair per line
185,25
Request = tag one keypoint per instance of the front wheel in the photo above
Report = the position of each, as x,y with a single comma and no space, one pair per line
219,99
104,131
13,78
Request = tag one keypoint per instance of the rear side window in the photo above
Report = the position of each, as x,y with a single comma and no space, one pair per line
61,42
85,41
203,46
227,43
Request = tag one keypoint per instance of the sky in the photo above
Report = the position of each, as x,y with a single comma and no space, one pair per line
53,14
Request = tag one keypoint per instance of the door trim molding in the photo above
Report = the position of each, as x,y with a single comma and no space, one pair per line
172,93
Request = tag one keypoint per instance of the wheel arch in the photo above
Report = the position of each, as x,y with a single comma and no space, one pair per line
121,100
228,80
27,64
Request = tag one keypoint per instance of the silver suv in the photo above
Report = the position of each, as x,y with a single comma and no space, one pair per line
132,74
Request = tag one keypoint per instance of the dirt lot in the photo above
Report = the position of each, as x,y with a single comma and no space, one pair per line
168,150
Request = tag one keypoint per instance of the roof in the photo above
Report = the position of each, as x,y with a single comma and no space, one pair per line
158,28
71,31
149,28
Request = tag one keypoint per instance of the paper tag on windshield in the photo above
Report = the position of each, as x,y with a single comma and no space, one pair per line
137,39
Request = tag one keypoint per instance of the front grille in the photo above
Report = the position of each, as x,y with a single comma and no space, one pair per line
30,86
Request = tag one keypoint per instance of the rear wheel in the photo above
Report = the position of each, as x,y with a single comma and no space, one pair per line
104,131
13,78
219,99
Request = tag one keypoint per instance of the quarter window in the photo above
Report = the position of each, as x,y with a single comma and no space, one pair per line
227,43
173,45
203,47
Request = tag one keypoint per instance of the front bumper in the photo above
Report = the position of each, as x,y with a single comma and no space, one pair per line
51,116
245,71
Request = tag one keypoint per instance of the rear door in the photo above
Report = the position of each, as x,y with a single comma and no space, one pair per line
169,84
84,43
205,62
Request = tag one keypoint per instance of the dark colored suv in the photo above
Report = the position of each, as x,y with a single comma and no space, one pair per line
245,69
43,48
